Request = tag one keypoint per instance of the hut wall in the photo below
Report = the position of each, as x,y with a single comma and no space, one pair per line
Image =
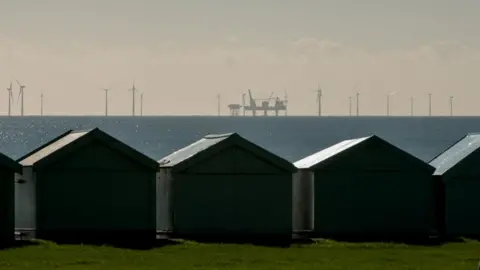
461,204
163,206
303,200
25,200
232,205
374,203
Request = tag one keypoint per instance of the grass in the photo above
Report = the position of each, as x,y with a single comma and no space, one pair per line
190,255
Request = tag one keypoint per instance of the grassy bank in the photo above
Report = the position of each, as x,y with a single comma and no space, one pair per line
190,255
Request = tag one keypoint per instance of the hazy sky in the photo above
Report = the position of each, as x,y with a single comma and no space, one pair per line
183,53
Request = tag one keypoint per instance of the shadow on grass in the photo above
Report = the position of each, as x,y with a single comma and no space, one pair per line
135,245
159,243
281,242
19,244
394,239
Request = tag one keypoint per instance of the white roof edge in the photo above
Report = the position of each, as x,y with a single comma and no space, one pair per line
322,155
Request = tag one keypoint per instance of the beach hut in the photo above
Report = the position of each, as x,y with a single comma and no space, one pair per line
87,186
367,187
459,171
225,187
8,168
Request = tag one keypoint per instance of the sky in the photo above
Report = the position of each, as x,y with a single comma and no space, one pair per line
182,54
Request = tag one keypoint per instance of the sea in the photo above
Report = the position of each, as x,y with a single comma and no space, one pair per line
290,137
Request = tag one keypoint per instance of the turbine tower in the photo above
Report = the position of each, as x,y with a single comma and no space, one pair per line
350,105
388,102
20,95
10,99
358,103
429,104
218,104
106,100
133,89
319,100
41,104
451,105
141,104
357,97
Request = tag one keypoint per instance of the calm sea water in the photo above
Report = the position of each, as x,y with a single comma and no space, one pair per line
290,137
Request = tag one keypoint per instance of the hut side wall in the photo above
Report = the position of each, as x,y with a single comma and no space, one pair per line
96,192
461,185
303,201
7,215
25,200
461,206
373,156
95,201
98,156
370,203
164,212
232,205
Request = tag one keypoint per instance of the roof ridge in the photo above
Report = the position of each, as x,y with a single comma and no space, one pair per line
220,135
448,148
83,130
42,146
339,147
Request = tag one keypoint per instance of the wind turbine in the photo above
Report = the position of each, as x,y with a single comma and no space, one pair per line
10,99
106,100
41,104
350,105
141,104
20,93
357,97
388,102
218,104
429,104
358,103
451,105
319,100
133,89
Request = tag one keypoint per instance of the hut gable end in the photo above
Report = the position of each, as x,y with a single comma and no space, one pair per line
98,156
220,163
249,163
365,154
234,160
228,153
92,147
460,159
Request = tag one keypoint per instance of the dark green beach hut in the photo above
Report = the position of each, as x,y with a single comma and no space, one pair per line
459,170
224,186
367,187
8,168
90,186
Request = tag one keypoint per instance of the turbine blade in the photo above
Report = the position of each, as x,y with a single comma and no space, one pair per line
18,82
19,93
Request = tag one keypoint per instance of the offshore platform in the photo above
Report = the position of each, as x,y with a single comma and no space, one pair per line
270,104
